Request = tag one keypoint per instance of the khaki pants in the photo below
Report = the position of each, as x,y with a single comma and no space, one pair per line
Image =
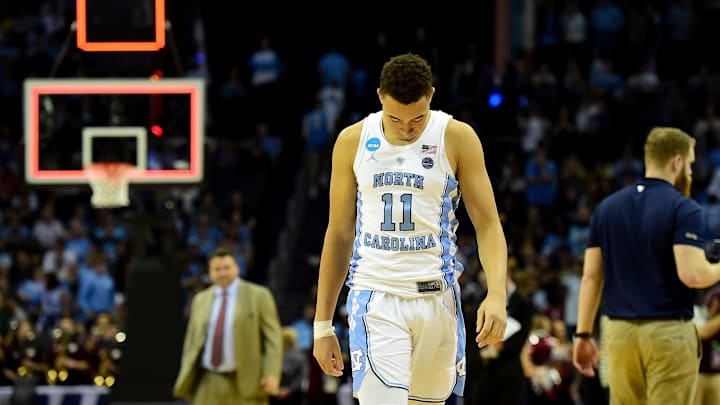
708,389
221,389
652,361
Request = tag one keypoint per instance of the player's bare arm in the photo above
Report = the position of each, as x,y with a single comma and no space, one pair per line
337,246
466,152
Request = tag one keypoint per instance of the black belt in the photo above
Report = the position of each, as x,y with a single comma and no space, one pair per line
651,319
221,373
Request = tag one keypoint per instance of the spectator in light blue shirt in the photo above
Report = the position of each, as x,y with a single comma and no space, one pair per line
304,328
96,292
30,290
77,240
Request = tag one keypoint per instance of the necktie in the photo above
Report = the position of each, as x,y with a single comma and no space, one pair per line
217,342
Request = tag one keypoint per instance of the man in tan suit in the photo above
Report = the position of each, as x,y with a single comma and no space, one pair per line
233,344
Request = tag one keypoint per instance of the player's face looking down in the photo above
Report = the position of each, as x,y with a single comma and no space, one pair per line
403,123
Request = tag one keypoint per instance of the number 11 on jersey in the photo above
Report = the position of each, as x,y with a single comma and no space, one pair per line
406,224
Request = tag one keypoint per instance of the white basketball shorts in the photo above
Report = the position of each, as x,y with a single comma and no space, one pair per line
417,344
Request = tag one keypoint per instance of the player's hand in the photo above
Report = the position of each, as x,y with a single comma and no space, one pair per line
491,320
270,385
326,351
585,356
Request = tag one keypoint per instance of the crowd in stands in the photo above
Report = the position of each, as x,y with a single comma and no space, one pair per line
64,264
562,124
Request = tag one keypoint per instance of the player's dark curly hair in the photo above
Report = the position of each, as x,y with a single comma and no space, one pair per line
406,78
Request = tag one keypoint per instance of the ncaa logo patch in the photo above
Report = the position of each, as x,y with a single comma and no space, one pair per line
428,163
372,144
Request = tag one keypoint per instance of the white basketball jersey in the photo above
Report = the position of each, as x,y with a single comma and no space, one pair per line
406,201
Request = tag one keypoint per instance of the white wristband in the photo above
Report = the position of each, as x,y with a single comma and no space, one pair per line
322,329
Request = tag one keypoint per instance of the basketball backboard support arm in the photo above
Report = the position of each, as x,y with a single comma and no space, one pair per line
64,49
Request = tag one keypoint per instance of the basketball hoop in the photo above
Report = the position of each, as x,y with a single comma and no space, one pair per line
109,182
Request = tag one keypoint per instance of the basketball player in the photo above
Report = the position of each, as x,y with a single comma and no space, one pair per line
395,185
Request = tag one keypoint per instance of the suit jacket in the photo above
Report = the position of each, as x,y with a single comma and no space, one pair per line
258,340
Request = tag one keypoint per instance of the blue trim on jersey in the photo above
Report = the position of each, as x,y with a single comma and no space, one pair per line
356,306
447,234
454,225
460,356
355,258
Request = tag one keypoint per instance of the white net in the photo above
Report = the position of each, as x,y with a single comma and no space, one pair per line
109,182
